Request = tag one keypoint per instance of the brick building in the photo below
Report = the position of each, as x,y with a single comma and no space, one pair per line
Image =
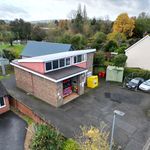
4,102
55,78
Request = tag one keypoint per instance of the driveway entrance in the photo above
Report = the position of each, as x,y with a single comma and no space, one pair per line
12,132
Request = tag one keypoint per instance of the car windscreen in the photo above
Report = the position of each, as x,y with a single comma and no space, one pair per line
135,81
147,83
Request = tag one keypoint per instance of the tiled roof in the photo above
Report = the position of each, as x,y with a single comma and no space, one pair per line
36,48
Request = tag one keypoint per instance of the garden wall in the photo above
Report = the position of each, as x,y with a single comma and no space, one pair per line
26,110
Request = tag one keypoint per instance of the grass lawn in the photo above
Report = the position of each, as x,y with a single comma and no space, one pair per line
16,48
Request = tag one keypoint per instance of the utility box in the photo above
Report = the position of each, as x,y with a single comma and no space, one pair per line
114,73
92,81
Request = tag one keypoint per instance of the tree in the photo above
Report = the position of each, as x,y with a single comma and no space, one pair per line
84,13
8,37
121,49
98,40
78,41
116,36
99,59
111,46
120,60
142,25
66,38
124,24
38,34
21,29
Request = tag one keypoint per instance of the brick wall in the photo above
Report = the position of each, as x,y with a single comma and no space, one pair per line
39,87
23,80
26,110
7,107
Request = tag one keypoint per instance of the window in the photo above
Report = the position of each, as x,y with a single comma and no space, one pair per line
2,102
79,58
62,62
75,59
55,64
48,66
67,61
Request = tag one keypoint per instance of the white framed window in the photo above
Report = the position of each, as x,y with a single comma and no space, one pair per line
79,58
62,62
48,66
2,102
55,64
68,61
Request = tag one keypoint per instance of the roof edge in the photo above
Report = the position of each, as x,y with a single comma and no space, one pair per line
147,36
33,72
45,77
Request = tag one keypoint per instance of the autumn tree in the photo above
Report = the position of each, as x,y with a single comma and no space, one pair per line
124,24
116,36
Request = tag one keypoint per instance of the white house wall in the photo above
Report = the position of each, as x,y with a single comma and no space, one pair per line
139,54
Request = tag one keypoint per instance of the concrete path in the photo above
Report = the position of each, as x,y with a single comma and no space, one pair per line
12,132
131,131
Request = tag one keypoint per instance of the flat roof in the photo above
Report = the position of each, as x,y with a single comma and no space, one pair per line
65,73
51,57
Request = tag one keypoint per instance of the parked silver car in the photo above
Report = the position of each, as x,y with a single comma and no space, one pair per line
145,86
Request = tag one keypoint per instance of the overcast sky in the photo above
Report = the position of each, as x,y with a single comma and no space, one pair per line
31,10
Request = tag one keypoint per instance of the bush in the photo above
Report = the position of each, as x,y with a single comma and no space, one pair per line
110,46
99,59
9,54
46,138
119,60
70,144
135,72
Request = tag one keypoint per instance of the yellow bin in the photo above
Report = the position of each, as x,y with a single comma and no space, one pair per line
92,81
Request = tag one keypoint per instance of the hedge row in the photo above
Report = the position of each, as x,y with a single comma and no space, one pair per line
136,72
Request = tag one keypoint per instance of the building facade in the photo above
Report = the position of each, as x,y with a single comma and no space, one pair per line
139,54
56,78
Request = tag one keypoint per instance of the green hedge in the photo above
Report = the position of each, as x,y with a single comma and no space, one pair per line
135,72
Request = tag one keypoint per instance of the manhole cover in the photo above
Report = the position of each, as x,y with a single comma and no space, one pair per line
107,94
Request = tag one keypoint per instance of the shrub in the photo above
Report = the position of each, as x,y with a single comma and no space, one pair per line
46,138
111,46
70,144
135,72
93,138
119,60
99,59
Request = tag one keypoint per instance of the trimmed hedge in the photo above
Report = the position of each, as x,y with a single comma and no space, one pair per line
136,72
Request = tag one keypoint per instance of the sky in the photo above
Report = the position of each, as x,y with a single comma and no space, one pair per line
33,10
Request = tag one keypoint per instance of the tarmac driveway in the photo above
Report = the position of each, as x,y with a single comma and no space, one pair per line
131,131
12,132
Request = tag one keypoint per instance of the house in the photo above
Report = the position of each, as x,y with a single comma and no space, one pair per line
4,102
35,48
139,54
55,78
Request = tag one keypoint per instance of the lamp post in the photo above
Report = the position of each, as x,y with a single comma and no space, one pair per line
119,113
